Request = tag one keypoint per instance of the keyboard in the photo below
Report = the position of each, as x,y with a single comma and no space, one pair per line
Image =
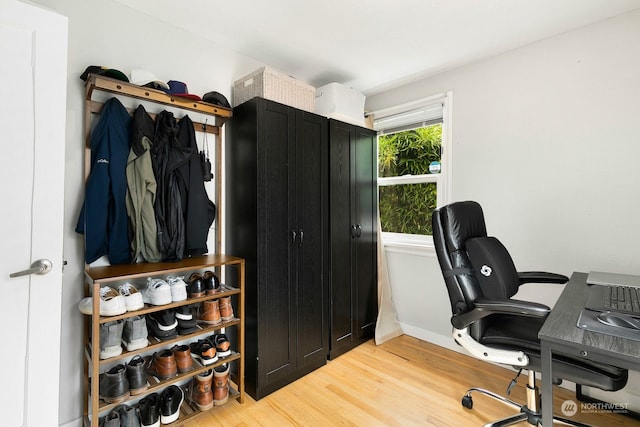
616,298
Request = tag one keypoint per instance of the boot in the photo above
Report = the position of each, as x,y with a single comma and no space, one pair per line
182,354
114,385
221,384
200,390
226,309
136,376
210,312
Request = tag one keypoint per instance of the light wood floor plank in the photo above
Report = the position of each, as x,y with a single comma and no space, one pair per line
404,382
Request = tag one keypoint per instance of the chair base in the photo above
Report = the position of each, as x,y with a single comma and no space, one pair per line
532,416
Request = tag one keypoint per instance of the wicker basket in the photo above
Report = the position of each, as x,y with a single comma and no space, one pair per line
273,85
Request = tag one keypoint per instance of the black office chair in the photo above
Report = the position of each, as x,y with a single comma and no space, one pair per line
481,279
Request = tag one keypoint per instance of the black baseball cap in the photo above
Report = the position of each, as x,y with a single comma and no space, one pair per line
104,71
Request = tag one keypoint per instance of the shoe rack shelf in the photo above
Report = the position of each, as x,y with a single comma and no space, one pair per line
96,277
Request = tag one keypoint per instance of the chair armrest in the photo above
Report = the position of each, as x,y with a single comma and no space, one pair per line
541,277
487,307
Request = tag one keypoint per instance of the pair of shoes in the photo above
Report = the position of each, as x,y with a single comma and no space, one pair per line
211,282
161,408
204,351
114,385
111,303
162,324
132,332
136,375
200,392
221,384
195,288
122,416
215,311
172,398
209,312
178,288
222,344
162,364
186,321
157,292
132,298
226,309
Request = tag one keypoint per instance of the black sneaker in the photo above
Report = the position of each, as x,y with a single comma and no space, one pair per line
172,398
150,410
186,320
162,324
223,346
204,351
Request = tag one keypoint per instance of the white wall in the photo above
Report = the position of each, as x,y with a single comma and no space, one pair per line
107,33
547,139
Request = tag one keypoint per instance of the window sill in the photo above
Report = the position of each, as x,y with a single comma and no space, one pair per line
410,248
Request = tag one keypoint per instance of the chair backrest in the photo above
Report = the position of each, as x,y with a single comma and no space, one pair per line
473,265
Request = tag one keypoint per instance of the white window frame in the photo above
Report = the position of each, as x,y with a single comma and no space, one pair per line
416,243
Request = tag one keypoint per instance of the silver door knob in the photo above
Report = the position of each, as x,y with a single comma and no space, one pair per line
41,266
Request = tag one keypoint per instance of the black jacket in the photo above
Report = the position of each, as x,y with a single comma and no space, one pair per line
167,156
199,212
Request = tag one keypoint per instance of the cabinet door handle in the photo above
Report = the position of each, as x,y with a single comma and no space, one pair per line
353,231
301,237
293,236
359,228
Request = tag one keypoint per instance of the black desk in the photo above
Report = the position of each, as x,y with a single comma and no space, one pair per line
560,334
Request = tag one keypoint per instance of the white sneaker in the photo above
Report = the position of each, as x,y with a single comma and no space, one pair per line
132,298
157,292
178,288
111,303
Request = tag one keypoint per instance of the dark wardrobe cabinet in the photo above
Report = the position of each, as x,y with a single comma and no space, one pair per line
277,219
353,199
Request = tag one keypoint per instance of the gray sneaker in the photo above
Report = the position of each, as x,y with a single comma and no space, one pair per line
110,338
134,336
128,416
112,419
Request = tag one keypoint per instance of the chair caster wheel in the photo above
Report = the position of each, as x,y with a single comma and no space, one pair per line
467,402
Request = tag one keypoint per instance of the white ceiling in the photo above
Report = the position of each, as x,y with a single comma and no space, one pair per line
373,45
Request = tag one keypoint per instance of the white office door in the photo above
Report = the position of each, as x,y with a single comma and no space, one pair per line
33,48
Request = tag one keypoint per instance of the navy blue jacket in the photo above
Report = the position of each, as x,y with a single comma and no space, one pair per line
103,218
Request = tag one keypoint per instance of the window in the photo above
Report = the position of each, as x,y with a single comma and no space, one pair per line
413,168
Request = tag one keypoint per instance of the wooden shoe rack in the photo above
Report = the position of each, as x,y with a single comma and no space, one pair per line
137,274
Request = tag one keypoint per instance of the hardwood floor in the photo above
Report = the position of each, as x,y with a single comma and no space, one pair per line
403,382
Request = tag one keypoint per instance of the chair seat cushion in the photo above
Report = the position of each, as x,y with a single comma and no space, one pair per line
521,334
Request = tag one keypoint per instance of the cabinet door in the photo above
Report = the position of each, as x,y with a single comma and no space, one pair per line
364,179
311,201
353,231
276,261
342,293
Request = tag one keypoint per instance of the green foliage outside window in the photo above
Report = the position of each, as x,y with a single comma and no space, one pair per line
407,208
